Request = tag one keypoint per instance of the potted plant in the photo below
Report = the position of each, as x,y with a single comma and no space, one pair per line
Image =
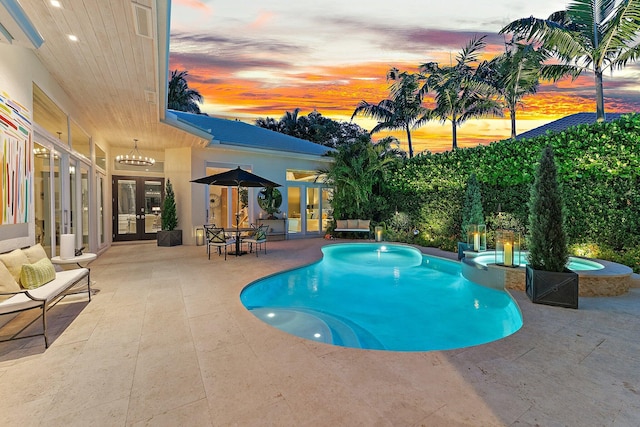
169,236
471,212
548,281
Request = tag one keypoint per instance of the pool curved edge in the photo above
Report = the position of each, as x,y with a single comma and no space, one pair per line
612,280
446,265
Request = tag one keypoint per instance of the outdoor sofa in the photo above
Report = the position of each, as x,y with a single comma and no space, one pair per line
29,281
354,226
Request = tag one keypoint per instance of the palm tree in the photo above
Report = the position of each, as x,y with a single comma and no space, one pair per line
180,96
514,75
460,91
402,111
269,123
356,175
291,123
593,35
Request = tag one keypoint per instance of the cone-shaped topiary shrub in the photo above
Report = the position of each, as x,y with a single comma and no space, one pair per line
169,214
472,205
547,239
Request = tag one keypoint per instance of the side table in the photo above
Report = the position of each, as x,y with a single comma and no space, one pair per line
85,258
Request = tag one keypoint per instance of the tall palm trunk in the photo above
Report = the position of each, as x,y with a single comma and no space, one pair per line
512,115
409,140
599,96
454,132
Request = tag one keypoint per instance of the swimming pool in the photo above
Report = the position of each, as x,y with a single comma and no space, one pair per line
384,297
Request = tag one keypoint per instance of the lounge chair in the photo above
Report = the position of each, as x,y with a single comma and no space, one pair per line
216,237
258,238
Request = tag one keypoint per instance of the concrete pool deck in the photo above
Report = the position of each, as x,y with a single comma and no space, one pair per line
166,341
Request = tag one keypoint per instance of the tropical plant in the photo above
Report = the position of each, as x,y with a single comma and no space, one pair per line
180,96
313,127
514,75
472,205
402,111
357,174
547,239
460,90
169,214
269,123
290,124
593,35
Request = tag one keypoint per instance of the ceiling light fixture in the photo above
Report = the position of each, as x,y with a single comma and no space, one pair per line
73,38
43,153
55,3
134,158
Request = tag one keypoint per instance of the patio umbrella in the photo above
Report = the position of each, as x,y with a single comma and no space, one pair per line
236,178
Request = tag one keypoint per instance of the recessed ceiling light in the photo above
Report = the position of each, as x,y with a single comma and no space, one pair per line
73,38
56,3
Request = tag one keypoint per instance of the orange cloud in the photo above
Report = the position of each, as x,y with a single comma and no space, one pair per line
335,91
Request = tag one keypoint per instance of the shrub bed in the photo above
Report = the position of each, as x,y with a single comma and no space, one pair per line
598,169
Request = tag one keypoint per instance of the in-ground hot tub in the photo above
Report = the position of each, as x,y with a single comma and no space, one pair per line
596,277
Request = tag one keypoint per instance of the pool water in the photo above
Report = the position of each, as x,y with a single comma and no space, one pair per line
384,297
574,263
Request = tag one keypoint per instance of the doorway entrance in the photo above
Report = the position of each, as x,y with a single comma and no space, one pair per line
136,207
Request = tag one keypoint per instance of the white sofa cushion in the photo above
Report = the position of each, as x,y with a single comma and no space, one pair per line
46,292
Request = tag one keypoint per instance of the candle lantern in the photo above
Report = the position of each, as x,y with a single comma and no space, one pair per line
199,236
508,248
378,233
477,237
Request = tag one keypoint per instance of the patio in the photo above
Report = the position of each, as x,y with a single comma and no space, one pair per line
166,341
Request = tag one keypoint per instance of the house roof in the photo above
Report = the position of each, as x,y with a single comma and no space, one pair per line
237,133
567,122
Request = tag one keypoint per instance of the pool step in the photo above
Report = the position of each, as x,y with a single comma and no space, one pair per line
317,326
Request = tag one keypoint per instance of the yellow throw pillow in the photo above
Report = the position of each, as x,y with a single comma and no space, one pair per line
37,274
35,253
7,282
14,261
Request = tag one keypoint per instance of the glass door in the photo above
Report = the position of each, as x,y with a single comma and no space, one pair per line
294,225
42,188
100,192
313,209
137,205
84,204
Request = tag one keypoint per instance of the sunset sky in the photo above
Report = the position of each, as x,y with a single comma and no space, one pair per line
259,59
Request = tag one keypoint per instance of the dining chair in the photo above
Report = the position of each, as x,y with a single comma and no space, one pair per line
216,237
258,238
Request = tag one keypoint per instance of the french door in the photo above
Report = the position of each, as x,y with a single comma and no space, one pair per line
136,207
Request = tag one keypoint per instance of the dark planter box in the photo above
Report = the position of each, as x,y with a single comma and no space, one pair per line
462,246
552,288
169,238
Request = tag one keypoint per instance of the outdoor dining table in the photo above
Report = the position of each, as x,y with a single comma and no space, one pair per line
238,232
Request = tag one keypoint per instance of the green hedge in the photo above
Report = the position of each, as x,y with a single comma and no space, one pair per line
598,169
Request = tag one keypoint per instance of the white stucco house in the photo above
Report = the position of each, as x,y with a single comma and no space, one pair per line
82,82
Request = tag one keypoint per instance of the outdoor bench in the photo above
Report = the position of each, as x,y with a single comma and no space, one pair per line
353,225
15,298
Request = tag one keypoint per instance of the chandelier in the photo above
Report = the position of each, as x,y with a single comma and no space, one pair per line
43,153
134,158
